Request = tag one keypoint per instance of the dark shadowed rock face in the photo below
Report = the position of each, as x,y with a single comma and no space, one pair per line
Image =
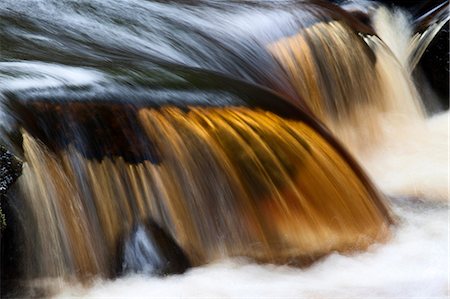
435,64
10,170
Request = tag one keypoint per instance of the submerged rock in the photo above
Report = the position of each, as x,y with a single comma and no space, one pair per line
150,250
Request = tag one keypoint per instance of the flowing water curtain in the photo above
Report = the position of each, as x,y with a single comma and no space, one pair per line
228,182
59,243
351,81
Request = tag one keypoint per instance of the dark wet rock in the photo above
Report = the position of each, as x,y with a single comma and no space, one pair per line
101,124
436,66
415,7
12,251
150,250
10,170
10,246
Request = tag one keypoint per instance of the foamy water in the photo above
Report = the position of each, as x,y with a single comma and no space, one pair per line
37,74
413,162
413,264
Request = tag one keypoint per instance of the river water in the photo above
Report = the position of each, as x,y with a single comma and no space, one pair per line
98,51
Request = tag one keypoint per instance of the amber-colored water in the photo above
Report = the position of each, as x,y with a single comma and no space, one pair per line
231,182
226,181
352,82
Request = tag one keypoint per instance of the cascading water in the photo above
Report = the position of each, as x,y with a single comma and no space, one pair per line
159,136
267,180
339,93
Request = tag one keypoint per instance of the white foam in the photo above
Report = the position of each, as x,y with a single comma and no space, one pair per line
34,74
395,30
413,264
413,161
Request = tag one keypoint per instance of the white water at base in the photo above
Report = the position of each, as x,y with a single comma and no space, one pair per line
413,161
413,264
412,158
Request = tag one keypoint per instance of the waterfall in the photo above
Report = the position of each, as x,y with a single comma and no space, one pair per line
229,182
158,136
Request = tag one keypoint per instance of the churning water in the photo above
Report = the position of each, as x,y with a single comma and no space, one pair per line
414,264
158,135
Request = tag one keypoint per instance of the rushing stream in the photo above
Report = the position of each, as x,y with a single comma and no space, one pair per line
223,149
